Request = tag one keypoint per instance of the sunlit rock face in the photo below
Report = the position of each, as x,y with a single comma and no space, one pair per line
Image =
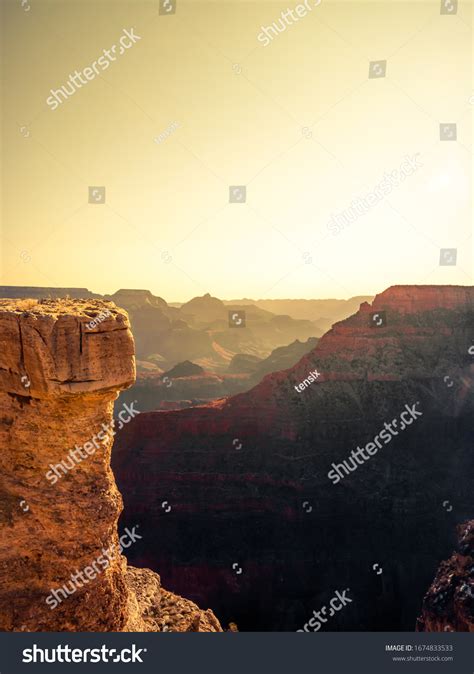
62,365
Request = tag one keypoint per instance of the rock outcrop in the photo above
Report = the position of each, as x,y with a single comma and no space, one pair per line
248,476
448,606
62,364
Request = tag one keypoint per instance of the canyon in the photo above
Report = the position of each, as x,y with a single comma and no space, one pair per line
226,360
253,526
62,365
229,502
188,384
198,330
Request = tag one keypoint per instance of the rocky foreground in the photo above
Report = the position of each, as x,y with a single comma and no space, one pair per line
448,606
62,365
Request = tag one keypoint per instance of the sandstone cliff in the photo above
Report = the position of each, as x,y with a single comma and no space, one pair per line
62,364
448,606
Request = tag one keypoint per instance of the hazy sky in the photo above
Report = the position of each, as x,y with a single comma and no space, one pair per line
200,103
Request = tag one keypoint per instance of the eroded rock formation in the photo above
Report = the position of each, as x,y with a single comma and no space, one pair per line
448,606
248,476
62,364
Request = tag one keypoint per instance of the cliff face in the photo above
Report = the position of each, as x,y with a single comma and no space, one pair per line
239,471
448,606
62,364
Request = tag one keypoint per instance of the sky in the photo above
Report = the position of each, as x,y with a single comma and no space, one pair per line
350,130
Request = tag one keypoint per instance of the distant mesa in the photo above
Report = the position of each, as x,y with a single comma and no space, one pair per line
184,369
134,292
39,292
207,308
132,298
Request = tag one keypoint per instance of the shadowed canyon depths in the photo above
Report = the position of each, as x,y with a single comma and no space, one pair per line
59,377
235,498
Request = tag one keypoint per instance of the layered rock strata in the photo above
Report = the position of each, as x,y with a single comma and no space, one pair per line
250,477
62,364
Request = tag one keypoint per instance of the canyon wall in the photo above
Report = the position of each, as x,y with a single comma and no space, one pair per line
62,364
247,477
